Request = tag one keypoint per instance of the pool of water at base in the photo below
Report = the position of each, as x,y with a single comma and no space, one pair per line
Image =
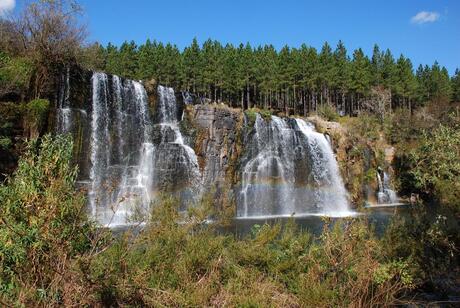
379,217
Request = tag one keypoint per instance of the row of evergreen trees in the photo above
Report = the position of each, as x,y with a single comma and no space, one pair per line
292,79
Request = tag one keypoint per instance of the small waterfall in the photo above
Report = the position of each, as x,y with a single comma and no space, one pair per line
290,168
385,195
65,113
325,171
175,160
121,173
267,178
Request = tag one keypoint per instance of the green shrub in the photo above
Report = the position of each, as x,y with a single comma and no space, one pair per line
35,115
5,142
428,242
36,111
433,167
328,113
14,72
10,114
251,115
365,127
43,223
266,114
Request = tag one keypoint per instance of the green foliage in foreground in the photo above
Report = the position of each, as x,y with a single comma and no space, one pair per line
434,166
188,265
429,241
42,223
251,115
50,254
10,115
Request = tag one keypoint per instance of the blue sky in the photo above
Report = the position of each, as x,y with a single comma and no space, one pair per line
433,34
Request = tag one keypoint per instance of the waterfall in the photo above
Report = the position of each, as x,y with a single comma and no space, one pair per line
325,172
175,161
121,152
385,195
289,168
126,156
267,178
65,113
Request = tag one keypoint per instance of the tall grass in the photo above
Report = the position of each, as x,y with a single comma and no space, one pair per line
183,262
43,224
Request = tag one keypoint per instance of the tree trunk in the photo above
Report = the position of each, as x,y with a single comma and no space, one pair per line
248,95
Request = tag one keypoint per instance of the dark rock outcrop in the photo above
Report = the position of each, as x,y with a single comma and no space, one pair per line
216,143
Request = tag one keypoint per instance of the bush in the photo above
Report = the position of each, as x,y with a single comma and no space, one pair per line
43,224
5,142
433,167
14,73
328,113
366,127
430,243
36,112
10,114
251,115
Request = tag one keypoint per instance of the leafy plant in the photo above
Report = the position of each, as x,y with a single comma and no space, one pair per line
14,73
36,112
434,166
43,223
328,113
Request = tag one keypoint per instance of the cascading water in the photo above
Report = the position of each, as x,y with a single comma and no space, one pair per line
325,173
385,195
268,176
174,159
65,112
121,173
289,169
131,156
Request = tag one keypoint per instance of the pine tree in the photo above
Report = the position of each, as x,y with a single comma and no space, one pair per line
422,77
289,79
326,72
230,73
193,65
309,76
112,62
360,80
377,66
456,86
388,71
128,60
146,61
439,87
341,76
406,85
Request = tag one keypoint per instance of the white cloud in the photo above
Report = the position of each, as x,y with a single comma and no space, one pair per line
424,17
6,6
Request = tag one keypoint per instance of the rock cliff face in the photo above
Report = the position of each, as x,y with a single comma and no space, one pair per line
216,142
214,131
